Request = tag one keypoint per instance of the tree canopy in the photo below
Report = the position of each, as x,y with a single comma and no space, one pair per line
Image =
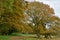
27,17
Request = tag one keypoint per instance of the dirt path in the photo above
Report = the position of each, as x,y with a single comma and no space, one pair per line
22,37
19,37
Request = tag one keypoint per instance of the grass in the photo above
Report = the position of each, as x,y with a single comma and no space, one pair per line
7,37
4,37
18,35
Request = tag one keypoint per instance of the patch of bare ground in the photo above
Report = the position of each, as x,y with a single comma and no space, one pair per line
22,38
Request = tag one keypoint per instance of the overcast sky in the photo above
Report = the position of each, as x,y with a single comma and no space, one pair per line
55,4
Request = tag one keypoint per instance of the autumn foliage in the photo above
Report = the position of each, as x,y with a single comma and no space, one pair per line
27,17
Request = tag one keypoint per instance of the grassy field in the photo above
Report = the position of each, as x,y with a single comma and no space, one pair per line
4,37
24,37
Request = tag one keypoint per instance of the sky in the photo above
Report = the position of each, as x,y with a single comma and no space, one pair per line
52,3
